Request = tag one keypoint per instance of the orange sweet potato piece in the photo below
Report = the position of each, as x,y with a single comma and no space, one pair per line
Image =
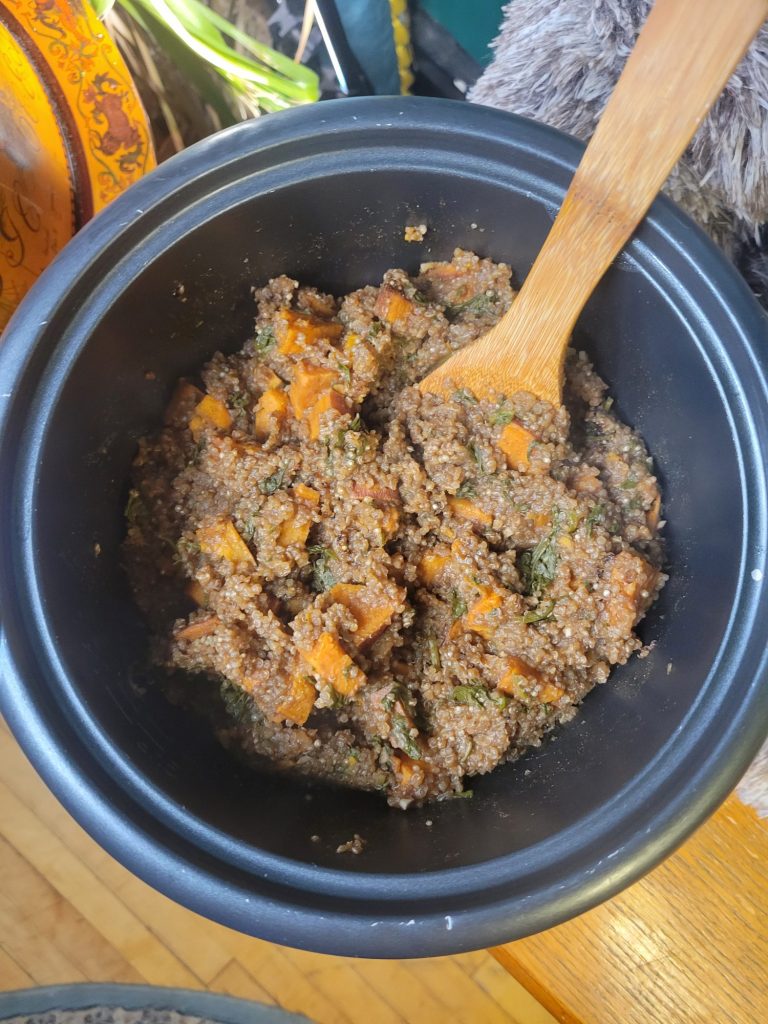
309,383
482,617
271,410
209,412
194,591
405,766
515,441
527,683
631,583
220,538
463,508
307,494
372,616
200,627
390,521
391,305
181,406
300,701
330,661
431,565
653,514
331,401
294,530
296,331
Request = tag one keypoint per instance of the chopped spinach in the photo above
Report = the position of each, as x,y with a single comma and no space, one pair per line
322,577
240,400
629,483
476,695
543,613
434,652
465,396
237,703
400,736
478,305
594,516
264,340
538,566
458,605
478,457
135,508
501,416
467,490
346,371
273,483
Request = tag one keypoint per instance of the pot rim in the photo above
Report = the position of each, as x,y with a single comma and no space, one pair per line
381,914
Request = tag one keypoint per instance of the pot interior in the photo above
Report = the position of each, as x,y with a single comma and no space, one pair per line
338,232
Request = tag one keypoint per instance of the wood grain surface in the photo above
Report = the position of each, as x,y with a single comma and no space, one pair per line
688,944
69,913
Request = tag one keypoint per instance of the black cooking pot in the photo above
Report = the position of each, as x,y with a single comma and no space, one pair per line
323,194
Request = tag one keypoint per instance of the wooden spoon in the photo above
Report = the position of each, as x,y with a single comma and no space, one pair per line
681,61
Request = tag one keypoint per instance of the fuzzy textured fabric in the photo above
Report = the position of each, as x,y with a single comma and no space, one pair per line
557,61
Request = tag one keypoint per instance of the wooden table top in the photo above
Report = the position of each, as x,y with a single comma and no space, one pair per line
688,944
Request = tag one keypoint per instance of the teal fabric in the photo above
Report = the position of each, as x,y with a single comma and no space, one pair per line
368,28
472,23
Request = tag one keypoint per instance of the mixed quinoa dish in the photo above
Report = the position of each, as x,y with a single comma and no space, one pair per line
386,589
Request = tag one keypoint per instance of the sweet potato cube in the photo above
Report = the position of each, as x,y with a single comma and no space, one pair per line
309,383
194,591
378,494
527,684
295,529
197,628
298,331
391,305
300,700
390,521
371,614
307,494
483,616
330,402
463,508
209,412
182,404
270,412
653,514
515,441
405,766
632,583
333,665
220,538
431,565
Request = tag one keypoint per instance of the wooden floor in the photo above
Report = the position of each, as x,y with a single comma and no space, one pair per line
70,913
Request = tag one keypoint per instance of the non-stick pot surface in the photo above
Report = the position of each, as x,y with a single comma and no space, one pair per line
323,194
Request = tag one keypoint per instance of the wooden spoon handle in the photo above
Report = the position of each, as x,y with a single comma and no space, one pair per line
680,63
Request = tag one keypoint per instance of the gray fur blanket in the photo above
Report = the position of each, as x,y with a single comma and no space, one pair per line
558,60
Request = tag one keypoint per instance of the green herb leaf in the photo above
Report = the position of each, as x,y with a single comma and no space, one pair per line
629,483
264,340
543,613
458,605
478,305
240,400
272,483
237,703
477,454
346,371
322,577
594,516
465,396
467,490
400,736
135,508
356,424
502,416
477,695
538,567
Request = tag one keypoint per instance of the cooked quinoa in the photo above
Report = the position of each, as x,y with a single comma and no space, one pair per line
382,588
